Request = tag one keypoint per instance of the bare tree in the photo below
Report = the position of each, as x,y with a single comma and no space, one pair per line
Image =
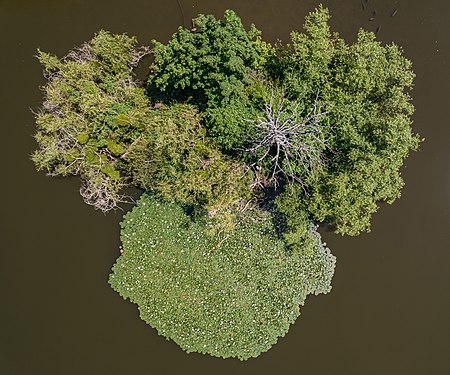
102,192
293,143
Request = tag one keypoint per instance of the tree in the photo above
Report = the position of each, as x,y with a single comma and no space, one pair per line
229,296
210,66
93,109
175,158
366,90
290,143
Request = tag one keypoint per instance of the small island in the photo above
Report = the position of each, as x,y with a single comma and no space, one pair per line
242,148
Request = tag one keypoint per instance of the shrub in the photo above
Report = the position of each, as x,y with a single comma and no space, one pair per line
227,296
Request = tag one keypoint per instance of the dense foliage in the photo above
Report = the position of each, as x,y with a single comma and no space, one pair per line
365,88
324,123
182,165
93,110
210,65
227,296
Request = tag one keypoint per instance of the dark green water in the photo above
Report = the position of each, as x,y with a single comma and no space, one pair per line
388,311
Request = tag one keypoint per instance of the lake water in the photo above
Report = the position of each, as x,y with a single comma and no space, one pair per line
388,311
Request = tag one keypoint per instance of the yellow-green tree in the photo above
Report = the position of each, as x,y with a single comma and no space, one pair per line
92,111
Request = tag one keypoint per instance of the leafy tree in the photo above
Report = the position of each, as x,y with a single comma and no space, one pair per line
93,109
211,65
365,87
174,158
229,296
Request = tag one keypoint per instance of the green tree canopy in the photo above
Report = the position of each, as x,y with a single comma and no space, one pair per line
211,65
365,87
176,159
227,296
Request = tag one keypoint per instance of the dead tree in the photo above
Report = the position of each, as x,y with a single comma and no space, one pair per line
101,191
293,143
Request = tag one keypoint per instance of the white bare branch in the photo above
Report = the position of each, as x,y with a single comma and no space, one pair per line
294,143
102,192
138,54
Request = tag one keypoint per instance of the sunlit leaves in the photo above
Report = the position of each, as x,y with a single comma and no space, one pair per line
210,66
365,86
92,111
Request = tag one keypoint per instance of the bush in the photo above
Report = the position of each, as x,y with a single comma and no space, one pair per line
227,296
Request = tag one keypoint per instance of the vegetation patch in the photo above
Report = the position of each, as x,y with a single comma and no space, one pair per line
211,66
175,158
242,148
229,296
